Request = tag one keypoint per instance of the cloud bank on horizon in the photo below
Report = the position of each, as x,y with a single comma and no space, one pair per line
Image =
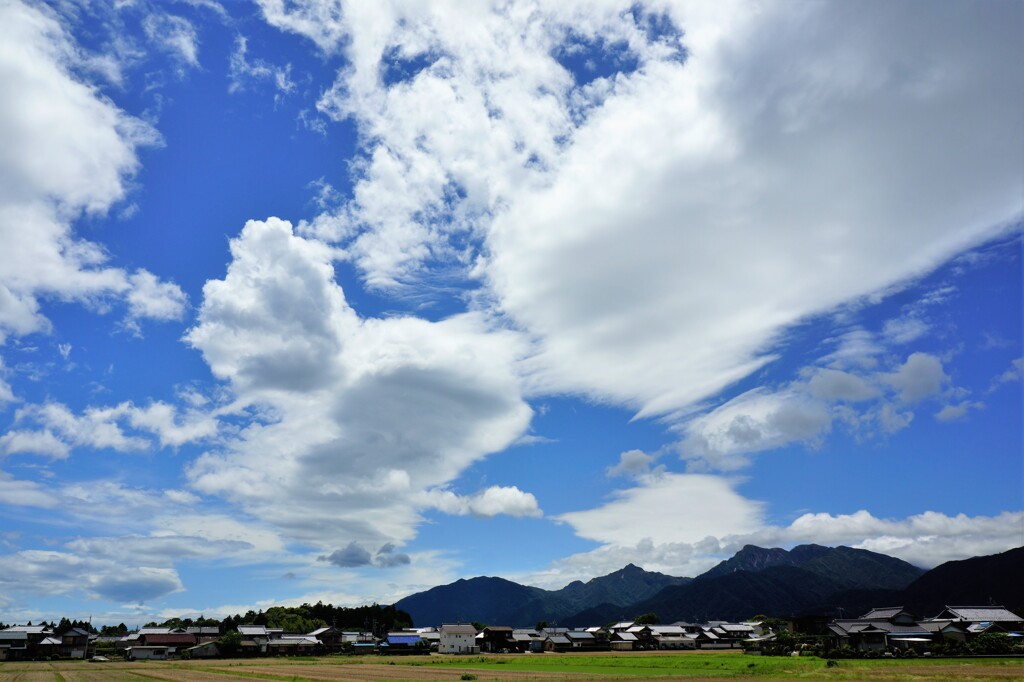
325,300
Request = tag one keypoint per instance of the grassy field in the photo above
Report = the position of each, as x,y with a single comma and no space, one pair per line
548,667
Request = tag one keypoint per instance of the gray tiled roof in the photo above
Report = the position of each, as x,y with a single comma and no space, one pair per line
876,626
293,640
981,614
252,630
883,612
34,629
667,629
579,635
458,630
937,625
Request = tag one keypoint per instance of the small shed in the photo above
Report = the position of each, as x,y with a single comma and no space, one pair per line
204,650
146,653
557,643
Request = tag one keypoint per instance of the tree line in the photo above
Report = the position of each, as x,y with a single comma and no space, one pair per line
305,618
299,619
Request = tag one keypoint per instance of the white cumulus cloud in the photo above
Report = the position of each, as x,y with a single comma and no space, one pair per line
489,502
354,418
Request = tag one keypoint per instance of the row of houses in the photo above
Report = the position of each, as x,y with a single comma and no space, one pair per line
29,642
39,641
448,639
879,629
624,636
253,640
895,627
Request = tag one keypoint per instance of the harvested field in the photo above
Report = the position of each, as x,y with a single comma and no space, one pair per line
542,668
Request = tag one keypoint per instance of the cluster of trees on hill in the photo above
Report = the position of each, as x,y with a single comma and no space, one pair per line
305,618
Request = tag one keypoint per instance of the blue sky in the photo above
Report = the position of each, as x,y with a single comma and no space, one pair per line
324,300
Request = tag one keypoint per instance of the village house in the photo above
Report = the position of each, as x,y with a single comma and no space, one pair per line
558,642
292,645
13,645
405,642
458,639
644,637
330,638
672,637
620,640
140,652
20,642
527,640
176,640
894,627
582,640
254,638
1001,618
729,635
496,639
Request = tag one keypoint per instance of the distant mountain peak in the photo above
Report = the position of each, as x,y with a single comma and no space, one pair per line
498,601
848,566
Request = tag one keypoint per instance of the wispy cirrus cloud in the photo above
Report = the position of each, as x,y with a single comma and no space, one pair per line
495,178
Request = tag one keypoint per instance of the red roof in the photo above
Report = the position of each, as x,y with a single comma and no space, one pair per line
161,640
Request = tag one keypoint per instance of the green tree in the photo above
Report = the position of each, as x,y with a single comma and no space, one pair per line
773,624
229,643
647,619
990,644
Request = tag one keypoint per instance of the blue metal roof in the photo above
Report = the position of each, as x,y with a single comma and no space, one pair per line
409,640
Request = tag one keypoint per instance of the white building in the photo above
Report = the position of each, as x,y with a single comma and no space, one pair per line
458,639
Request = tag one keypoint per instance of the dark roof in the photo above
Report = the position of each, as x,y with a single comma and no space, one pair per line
884,612
177,638
855,626
939,625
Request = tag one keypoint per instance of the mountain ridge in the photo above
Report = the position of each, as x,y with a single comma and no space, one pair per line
806,578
